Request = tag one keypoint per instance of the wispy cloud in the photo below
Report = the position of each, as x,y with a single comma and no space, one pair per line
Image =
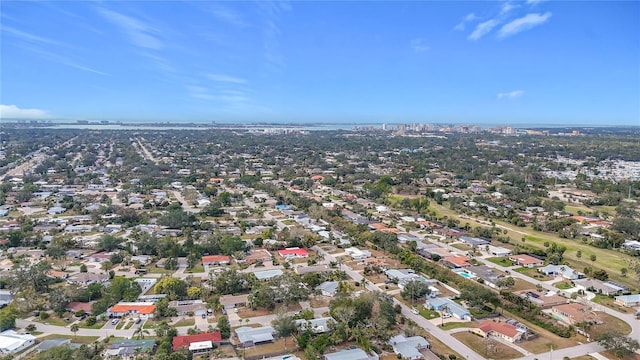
139,33
507,7
229,16
524,23
272,11
468,18
23,35
483,29
226,97
225,78
534,2
419,45
63,60
510,95
14,112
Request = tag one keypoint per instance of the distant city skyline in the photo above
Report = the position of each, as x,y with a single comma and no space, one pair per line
504,62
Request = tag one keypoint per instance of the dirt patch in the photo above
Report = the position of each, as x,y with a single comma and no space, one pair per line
492,349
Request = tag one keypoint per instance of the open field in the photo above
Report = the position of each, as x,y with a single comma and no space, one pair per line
185,322
477,344
609,323
522,285
609,260
533,273
275,346
502,261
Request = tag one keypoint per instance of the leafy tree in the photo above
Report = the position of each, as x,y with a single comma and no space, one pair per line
618,343
224,327
284,325
7,319
506,283
58,300
415,290
173,287
478,296
25,276
74,329
108,243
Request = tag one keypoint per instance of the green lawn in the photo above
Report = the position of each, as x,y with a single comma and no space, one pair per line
98,325
564,285
455,325
53,320
427,313
502,261
198,268
185,322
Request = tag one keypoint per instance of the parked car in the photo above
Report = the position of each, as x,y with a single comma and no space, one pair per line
204,316
115,321
138,321
415,311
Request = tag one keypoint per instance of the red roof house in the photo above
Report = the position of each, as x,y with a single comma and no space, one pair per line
294,252
216,260
187,340
499,329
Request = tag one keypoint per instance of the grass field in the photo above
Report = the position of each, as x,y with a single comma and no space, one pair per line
564,285
533,273
427,313
522,285
456,324
609,323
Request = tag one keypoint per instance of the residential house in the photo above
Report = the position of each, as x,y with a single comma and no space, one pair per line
11,342
293,253
351,354
526,260
316,326
141,309
448,306
503,330
474,241
455,262
129,348
540,299
197,343
266,275
561,270
6,297
99,257
144,260
357,254
76,306
599,286
215,260
233,301
497,250
51,343
301,270
189,307
86,279
573,313
488,275
328,288
250,336
409,347
628,300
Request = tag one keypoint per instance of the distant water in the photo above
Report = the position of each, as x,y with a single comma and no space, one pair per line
208,127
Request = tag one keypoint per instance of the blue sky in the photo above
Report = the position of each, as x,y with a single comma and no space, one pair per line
527,62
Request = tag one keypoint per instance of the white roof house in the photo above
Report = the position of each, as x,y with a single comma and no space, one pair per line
408,347
357,254
11,342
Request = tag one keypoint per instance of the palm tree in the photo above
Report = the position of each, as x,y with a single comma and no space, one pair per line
140,332
74,329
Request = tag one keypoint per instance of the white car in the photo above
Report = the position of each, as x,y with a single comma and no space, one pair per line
415,311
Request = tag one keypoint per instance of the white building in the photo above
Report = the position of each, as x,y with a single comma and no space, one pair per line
357,254
11,342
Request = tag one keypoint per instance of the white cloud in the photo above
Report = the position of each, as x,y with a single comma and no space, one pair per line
507,7
534,2
483,29
225,78
511,95
524,23
469,17
29,37
138,32
14,112
63,60
419,45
